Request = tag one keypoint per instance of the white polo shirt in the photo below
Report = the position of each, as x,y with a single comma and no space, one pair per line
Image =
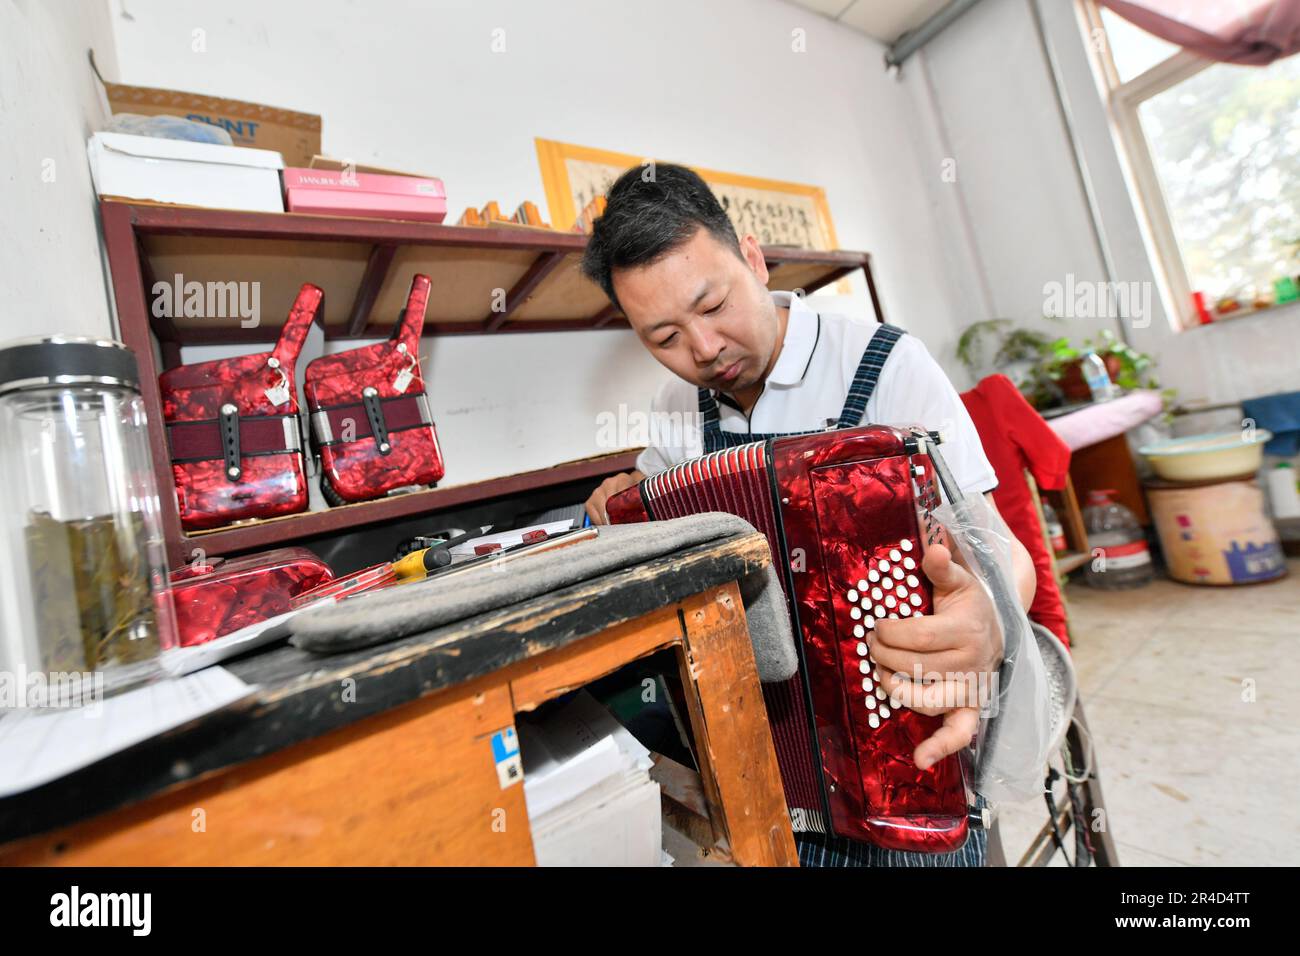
807,387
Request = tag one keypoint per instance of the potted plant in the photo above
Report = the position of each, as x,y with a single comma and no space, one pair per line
1048,371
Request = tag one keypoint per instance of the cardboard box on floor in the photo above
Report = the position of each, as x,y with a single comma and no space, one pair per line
295,136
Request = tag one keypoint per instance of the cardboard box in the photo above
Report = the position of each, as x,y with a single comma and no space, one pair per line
295,136
336,193
196,174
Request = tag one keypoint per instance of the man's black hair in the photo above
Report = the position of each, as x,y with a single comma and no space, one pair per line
649,212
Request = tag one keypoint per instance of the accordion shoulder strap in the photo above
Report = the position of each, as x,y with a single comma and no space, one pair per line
868,373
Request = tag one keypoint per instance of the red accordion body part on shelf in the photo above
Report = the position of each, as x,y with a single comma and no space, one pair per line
846,514
220,597
370,414
232,428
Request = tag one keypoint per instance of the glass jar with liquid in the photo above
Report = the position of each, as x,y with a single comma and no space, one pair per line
83,586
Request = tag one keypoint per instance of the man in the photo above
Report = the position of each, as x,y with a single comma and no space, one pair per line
753,363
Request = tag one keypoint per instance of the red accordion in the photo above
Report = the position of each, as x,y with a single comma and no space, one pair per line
370,414
221,596
846,514
232,428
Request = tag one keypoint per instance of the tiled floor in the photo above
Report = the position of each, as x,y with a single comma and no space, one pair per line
1193,696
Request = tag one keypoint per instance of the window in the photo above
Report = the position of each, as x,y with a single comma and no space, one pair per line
1213,156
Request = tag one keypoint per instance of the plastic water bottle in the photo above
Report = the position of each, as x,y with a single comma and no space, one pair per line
1055,531
1119,554
1098,379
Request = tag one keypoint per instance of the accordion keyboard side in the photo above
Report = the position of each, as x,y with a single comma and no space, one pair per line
850,515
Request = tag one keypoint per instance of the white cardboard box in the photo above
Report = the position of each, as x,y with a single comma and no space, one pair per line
175,171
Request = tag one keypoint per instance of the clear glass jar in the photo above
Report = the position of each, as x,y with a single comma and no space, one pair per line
86,605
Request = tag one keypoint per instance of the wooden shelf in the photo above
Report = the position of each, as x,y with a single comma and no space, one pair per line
308,524
365,267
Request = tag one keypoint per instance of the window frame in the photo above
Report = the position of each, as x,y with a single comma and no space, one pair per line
1122,100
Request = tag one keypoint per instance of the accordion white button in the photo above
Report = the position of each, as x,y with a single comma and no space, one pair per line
909,564
877,594
867,685
855,613
864,667
873,720
880,611
898,574
852,596
880,695
862,649
871,702
873,575
916,600
891,601
901,591
913,581
884,711
905,544
905,610
893,616
862,585
882,566
895,555
859,631
870,622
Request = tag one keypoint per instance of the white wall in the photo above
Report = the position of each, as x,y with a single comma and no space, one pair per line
994,98
416,86
50,270
50,273
990,95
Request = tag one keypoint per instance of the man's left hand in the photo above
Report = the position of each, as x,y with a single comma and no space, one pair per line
937,664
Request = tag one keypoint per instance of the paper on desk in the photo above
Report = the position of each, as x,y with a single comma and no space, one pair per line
187,660
509,538
38,746
590,798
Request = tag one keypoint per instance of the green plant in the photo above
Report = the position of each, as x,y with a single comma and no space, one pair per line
1051,358
1016,345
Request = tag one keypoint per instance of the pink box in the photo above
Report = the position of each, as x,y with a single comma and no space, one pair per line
333,193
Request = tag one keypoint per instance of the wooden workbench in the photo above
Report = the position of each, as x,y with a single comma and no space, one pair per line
384,756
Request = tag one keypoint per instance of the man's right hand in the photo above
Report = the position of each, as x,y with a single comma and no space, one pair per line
608,488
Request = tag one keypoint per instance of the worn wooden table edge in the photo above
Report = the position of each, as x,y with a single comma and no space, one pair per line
294,709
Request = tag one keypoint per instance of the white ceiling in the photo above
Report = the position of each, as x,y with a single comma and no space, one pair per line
883,20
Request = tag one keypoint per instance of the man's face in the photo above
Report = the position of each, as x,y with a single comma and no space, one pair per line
704,312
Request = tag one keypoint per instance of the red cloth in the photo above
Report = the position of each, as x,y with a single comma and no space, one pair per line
1015,437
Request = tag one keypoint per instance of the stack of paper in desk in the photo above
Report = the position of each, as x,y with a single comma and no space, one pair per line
590,798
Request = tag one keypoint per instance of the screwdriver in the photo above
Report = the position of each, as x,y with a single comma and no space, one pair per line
417,564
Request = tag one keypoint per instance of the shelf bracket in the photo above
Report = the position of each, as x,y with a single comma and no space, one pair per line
372,281
605,316
543,266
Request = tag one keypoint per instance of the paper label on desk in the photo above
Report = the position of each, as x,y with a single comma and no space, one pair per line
505,753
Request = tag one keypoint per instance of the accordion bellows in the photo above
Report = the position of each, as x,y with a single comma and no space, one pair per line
846,515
